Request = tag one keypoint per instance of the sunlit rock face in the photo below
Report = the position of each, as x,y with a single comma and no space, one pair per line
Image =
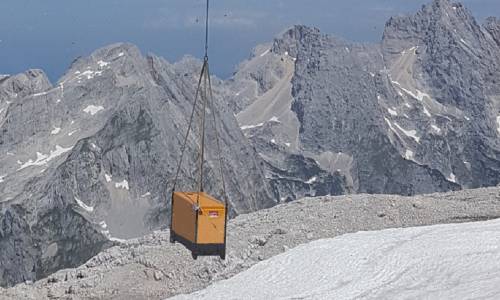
92,158
416,113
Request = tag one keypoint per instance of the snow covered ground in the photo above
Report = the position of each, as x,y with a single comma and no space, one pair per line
459,261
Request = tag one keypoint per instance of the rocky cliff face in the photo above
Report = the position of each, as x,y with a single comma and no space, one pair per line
453,72
414,114
492,24
93,158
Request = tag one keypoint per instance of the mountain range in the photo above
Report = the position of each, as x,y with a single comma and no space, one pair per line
90,160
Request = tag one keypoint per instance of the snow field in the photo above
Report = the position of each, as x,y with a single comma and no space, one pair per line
459,261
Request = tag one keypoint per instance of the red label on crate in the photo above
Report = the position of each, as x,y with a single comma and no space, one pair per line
213,214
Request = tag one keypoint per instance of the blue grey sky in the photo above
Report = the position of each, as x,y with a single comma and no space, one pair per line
49,34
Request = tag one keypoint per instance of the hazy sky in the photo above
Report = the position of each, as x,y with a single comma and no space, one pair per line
49,34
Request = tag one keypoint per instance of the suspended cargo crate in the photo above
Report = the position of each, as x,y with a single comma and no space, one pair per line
199,223
197,220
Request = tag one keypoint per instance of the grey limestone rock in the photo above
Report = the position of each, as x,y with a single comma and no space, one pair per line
416,113
92,159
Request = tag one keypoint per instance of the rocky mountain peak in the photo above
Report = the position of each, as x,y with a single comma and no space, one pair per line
443,5
438,22
34,79
492,25
441,34
433,89
292,38
188,65
19,86
447,13
121,59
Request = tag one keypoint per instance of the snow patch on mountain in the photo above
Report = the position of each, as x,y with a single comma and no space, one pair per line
437,129
410,133
55,131
108,177
312,180
246,127
40,94
102,64
122,185
392,111
93,109
103,224
452,178
409,154
465,43
274,119
426,112
90,74
43,159
87,208
419,94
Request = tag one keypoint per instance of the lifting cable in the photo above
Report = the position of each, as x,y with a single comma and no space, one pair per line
208,98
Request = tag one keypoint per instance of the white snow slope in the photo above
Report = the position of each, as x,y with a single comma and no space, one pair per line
459,261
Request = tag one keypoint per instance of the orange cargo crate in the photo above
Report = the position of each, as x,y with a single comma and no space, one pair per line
199,223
